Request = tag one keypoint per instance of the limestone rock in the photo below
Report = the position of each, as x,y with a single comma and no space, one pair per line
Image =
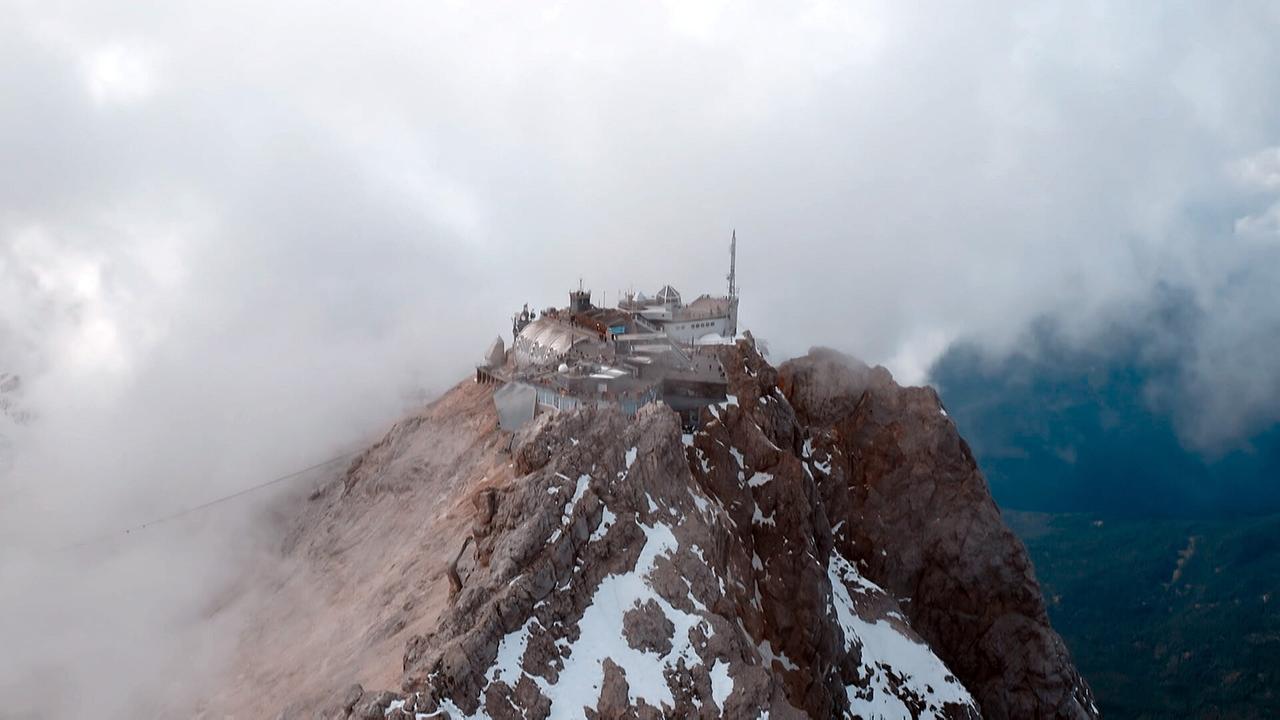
822,547
916,516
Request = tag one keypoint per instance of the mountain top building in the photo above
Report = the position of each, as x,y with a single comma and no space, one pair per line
644,350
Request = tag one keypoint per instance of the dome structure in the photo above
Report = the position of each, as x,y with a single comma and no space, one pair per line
545,340
668,296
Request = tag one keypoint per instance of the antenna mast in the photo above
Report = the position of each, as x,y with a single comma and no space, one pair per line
733,261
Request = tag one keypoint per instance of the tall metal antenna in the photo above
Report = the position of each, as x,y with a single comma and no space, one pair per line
733,262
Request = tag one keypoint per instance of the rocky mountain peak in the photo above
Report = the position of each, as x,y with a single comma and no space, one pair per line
824,546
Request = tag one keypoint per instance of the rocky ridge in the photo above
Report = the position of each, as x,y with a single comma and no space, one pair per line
824,547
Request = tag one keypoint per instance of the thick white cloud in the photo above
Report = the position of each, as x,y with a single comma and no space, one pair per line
232,235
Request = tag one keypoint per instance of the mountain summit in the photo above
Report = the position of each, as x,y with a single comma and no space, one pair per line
823,545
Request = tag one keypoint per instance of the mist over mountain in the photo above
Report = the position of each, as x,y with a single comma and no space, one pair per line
12,415
1107,423
1143,485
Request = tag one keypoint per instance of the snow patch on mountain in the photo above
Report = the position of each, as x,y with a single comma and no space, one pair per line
897,670
600,637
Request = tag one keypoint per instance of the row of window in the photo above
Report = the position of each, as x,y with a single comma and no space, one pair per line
552,399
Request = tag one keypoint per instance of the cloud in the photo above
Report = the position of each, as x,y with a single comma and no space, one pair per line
119,73
1260,172
233,236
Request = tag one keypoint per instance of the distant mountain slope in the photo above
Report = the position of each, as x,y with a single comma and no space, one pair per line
1167,618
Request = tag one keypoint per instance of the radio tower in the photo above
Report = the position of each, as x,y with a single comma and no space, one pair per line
733,260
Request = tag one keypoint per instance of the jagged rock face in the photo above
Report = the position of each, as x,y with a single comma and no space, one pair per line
914,513
599,585
629,571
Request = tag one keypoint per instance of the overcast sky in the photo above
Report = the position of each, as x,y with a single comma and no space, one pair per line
233,236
